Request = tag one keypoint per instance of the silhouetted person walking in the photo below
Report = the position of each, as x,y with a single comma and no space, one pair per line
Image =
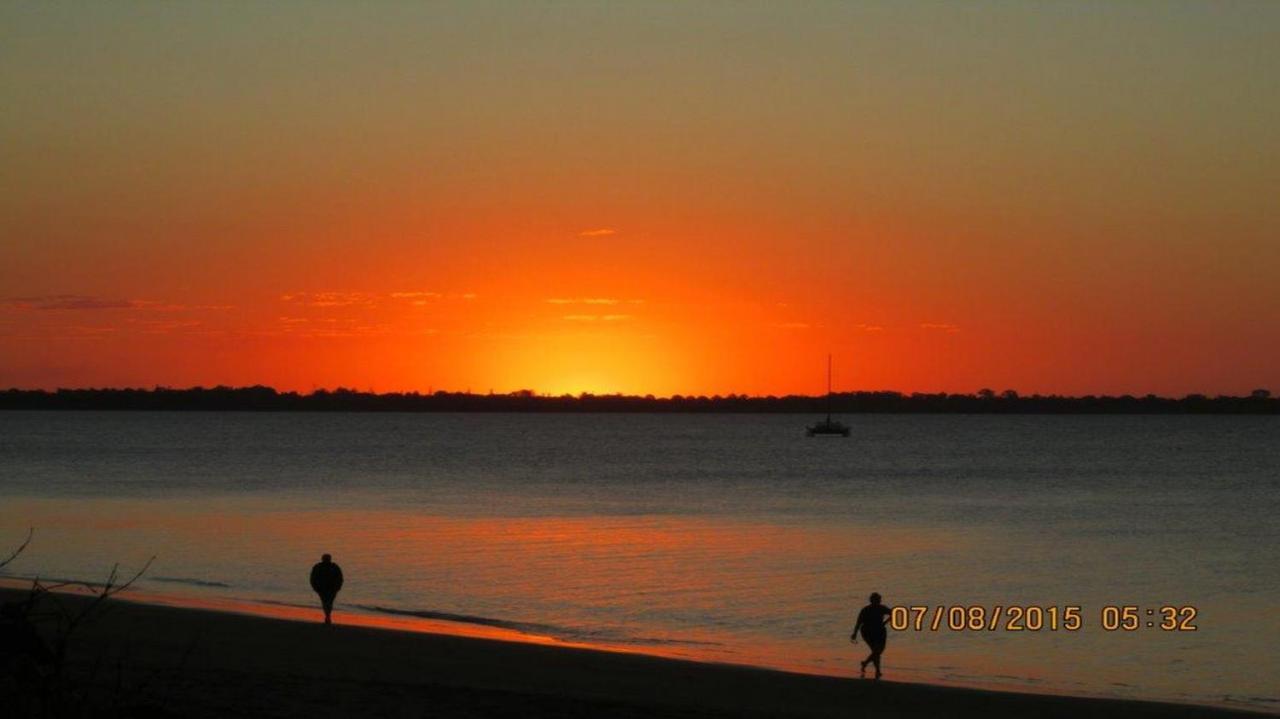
326,580
871,622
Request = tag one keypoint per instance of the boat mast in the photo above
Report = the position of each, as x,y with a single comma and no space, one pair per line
828,388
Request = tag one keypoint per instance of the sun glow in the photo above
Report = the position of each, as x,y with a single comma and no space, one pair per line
595,361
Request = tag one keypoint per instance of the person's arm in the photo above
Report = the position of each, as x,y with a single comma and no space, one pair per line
856,626
315,579
337,576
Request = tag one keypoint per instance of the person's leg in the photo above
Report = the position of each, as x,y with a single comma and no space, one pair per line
327,603
876,648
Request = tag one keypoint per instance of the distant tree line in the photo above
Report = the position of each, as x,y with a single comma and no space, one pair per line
266,399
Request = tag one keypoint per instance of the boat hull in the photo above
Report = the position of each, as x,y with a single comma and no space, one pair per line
832,429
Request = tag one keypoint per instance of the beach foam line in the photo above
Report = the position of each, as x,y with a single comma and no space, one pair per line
523,627
190,581
612,636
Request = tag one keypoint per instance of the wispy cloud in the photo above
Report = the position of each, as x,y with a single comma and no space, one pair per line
598,232
940,327
868,328
165,326
583,301
157,306
416,295
90,302
592,301
417,298
69,302
369,330
331,299
323,328
596,318
86,331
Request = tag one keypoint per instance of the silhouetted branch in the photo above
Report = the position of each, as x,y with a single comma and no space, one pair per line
30,533
73,620
39,631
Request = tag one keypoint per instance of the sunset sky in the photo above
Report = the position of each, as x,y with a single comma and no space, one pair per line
693,197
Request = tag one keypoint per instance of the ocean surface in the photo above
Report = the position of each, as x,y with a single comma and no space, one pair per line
727,538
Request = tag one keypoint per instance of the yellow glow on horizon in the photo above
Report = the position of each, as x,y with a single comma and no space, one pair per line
597,361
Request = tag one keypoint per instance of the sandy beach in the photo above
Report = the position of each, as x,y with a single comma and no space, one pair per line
177,661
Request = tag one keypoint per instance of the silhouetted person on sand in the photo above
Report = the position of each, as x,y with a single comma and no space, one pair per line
326,580
871,622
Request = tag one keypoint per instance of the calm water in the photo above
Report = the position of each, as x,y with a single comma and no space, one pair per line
730,538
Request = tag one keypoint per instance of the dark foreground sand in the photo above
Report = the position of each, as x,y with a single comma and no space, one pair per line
197,663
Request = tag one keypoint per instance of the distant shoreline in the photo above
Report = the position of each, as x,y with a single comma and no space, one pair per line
267,399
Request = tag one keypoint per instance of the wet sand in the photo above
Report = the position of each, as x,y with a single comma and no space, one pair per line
200,663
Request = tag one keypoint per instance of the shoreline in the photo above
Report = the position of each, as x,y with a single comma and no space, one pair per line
299,665
267,399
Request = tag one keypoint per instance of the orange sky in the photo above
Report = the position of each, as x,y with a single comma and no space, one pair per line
700,198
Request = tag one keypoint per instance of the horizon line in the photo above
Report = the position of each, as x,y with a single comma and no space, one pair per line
984,393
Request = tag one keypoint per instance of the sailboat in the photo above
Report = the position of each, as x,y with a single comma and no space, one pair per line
828,427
